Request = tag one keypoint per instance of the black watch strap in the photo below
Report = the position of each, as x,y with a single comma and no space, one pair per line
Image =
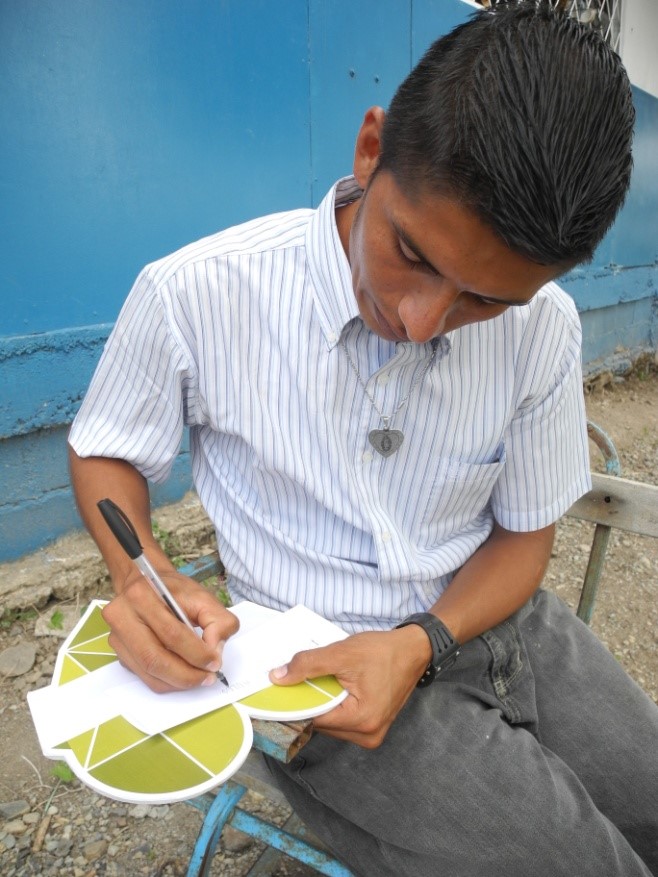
445,647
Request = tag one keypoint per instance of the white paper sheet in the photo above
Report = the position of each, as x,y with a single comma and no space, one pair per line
247,660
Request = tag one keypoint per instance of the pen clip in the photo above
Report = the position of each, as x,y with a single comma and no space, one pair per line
120,525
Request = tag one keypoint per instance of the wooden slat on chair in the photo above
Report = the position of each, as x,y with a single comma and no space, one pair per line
619,503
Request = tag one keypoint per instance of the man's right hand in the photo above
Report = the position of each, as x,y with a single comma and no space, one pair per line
146,636
155,645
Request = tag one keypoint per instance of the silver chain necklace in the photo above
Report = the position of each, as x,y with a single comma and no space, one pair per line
387,441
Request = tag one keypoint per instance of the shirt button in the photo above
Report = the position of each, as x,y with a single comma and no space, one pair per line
367,456
382,380
333,337
386,536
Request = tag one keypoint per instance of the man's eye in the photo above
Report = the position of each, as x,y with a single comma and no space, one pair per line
486,302
407,254
412,259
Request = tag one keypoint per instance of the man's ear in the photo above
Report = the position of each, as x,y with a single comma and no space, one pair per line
368,145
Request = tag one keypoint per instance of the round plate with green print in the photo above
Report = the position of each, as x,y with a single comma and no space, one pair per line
290,703
118,760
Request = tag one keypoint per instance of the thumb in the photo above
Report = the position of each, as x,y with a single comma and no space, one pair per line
303,665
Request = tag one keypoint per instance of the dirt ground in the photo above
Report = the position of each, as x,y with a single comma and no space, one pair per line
52,827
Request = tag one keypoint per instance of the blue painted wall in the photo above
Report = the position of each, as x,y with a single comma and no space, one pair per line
132,127
617,294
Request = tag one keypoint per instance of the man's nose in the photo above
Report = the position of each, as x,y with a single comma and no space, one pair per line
423,312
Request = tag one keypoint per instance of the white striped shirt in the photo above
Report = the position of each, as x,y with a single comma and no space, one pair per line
237,336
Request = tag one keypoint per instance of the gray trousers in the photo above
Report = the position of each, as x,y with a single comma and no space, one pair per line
534,754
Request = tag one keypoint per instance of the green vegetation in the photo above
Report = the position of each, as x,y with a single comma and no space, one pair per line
167,541
56,620
62,772
13,616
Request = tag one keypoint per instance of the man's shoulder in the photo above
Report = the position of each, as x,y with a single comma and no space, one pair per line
553,298
549,314
260,236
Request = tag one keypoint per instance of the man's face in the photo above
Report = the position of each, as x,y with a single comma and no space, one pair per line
425,267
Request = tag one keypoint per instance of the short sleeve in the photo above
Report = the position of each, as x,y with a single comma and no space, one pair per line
546,446
135,406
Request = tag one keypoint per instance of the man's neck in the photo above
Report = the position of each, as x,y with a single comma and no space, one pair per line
344,219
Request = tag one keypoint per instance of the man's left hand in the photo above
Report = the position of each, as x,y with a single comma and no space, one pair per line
379,670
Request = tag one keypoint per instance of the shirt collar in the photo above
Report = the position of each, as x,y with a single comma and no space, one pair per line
329,267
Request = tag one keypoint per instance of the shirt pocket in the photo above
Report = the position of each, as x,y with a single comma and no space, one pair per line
459,498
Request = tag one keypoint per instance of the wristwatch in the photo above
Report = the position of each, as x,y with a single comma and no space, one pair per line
445,647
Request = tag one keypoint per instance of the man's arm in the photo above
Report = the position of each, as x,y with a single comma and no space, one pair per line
495,582
146,636
380,669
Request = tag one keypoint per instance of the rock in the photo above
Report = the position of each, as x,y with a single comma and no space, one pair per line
17,660
63,847
12,809
235,841
141,811
94,850
8,841
15,827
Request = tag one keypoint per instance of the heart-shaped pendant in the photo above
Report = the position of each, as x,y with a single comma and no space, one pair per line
386,441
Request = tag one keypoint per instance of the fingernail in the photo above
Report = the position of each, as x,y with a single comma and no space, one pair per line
213,666
280,672
209,680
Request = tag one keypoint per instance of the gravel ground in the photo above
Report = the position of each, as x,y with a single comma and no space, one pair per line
49,827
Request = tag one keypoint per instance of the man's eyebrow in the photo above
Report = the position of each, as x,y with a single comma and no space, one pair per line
417,251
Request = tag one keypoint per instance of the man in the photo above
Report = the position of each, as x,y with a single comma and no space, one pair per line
386,420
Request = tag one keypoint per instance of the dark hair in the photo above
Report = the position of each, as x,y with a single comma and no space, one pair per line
525,116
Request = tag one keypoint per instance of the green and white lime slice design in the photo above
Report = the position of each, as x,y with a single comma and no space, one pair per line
87,648
291,702
118,760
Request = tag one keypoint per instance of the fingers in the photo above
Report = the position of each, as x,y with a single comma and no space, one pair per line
306,665
217,622
160,669
366,714
160,649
